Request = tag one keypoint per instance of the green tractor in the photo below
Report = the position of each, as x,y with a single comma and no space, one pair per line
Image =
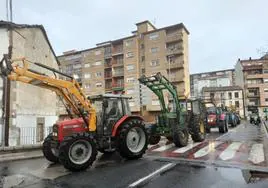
175,122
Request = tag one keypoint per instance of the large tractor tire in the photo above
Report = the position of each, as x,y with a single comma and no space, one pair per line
223,128
132,139
180,137
154,139
77,152
49,152
198,129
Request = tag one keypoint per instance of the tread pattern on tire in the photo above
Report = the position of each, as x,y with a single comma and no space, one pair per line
121,143
176,136
64,151
197,135
46,148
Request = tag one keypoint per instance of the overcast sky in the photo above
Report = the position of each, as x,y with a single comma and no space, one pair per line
220,33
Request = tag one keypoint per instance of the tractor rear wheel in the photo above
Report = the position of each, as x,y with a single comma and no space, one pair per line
49,152
180,138
198,129
132,139
154,139
77,152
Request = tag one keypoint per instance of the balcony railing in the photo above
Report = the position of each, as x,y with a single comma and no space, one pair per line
175,65
118,63
108,75
118,73
107,55
117,51
108,65
171,51
174,37
118,86
249,94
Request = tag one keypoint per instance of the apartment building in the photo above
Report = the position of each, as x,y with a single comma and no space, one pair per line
115,66
211,79
252,76
226,96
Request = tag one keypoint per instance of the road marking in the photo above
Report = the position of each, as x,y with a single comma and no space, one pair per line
145,179
186,148
165,147
256,154
230,151
206,150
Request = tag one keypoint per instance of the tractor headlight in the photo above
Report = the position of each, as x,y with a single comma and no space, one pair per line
55,134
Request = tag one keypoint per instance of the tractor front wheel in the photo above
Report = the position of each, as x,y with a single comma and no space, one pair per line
132,139
180,138
50,152
77,152
199,130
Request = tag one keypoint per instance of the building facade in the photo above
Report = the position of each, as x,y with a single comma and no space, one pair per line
211,79
252,76
115,66
31,110
231,97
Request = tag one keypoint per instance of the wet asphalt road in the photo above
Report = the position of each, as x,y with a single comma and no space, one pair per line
113,171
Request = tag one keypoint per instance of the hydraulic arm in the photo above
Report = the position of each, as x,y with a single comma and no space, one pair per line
68,90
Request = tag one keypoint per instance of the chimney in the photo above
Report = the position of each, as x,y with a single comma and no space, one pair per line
249,58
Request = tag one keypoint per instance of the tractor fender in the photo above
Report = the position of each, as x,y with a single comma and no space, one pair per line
122,120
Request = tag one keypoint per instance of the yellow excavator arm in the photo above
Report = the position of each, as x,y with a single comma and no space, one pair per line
68,90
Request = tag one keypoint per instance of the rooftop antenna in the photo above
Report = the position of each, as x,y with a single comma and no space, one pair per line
154,21
7,10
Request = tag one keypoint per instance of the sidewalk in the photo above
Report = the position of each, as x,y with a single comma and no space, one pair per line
30,154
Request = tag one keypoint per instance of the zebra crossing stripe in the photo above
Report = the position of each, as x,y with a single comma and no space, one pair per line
163,148
186,148
256,154
230,151
206,150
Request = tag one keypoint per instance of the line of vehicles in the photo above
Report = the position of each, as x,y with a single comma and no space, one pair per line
104,123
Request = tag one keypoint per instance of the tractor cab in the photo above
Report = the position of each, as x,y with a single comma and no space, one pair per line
110,109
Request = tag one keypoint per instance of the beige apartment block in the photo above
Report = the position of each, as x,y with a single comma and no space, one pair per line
115,66
252,76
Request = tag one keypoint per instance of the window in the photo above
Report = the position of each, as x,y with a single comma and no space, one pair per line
99,84
265,71
97,63
236,95
87,65
75,76
142,58
131,104
230,95
130,67
265,89
154,49
143,71
222,95
87,86
266,99
98,52
129,55
130,91
142,46
87,75
153,36
77,66
230,103
131,80
237,104
98,74
265,80
155,102
155,63
129,42
212,95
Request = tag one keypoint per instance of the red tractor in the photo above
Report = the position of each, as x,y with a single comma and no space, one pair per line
102,123
216,117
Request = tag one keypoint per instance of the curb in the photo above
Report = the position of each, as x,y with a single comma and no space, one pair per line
17,158
20,148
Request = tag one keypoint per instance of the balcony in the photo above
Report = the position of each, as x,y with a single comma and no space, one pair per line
175,51
253,95
174,65
174,37
107,55
108,75
118,73
117,51
176,78
118,63
118,86
108,87
107,65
